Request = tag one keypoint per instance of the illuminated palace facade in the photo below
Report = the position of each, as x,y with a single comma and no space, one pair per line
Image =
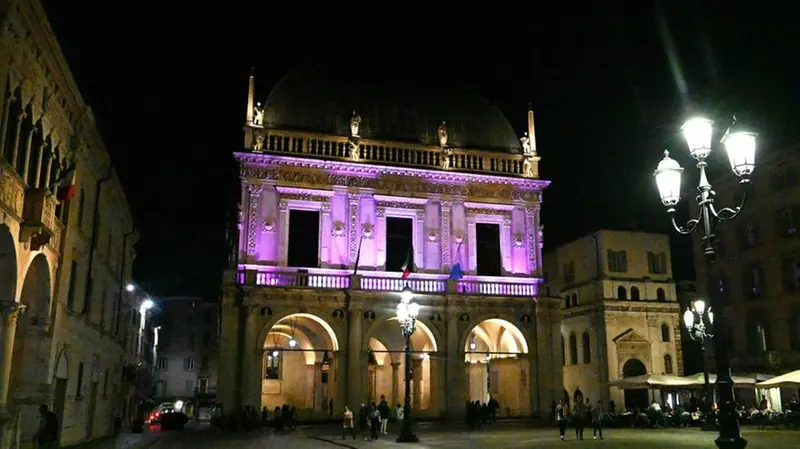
341,181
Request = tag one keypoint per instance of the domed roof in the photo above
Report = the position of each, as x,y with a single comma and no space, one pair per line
323,100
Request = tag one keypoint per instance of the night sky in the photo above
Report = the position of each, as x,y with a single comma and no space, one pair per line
610,87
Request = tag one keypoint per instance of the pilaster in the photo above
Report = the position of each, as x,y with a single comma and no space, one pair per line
445,232
380,243
9,314
353,227
419,240
455,369
283,228
325,233
253,212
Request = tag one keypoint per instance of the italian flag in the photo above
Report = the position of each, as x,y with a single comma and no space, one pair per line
407,265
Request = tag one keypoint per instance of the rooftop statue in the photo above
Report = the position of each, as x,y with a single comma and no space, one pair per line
443,134
355,122
527,150
258,115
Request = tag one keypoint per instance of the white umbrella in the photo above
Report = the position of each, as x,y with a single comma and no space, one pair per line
651,381
788,380
698,380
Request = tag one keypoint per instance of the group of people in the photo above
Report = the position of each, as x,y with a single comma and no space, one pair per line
372,417
582,414
479,413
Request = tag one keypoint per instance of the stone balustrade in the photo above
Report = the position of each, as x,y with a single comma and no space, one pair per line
12,190
293,143
389,282
38,218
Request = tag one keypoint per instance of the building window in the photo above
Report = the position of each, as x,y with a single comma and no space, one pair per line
188,364
660,295
667,364
189,390
723,287
272,364
587,348
786,221
81,204
665,332
747,235
202,385
622,294
573,349
73,278
79,385
657,262
574,300
161,364
617,261
794,332
87,298
758,336
105,384
487,236
303,239
563,352
635,293
399,243
753,281
161,389
791,274
569,272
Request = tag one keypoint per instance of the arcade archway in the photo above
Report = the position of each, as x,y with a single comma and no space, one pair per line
386,369
635,398
497,365
31,350
298,363
8,265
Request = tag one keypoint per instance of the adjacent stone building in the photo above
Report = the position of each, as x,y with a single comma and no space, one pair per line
620,311
62,262
345,181
759,262
188,343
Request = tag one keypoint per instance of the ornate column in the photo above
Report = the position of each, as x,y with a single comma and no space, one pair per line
15,148
48,169
380,242
445,232
4,124
419,240
353,232
39,159
471,244
436,381
456,374
395,383
26,160
325,234
10,311
533,242
506,247
253,206
253,359
355,379
283,229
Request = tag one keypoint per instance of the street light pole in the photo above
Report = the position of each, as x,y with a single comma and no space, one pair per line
740,147
407,312
699,321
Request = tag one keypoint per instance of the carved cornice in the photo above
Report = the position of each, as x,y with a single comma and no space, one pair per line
471,205
398,205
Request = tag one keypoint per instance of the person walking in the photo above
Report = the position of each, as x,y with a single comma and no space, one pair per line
597,421
375,421
47,435
561,420
384,410
347,424
578,416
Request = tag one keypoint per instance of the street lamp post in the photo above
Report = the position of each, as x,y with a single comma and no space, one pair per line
699,323
741,148
407,312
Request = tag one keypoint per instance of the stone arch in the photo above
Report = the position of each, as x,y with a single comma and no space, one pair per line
634,397
275,318
36,290
633,367
504,321
8,265
62,365
425,338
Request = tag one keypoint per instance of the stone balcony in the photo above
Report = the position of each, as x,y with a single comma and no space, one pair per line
323,278
12,191
34,208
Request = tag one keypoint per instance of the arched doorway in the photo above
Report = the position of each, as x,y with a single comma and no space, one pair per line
8,265
496,367
297,364
31,350
635,398
387,371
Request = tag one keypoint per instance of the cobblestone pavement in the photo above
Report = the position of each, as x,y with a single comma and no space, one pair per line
495,438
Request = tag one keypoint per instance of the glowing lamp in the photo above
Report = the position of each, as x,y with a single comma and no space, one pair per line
741,149
473,346
402,312
146,305
413,310
697,132
130,287
710,316
292,343
688,319
699,306
668,180
407,294
179,405
275,353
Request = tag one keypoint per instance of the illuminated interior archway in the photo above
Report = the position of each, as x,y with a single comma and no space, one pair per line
298,362
8,266
386,377
497,365
31,349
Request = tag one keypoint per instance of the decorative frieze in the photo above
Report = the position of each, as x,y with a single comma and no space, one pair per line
445,233
252,223
353,226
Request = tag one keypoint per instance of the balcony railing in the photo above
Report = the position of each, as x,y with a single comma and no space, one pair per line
294,143
389,282
12,190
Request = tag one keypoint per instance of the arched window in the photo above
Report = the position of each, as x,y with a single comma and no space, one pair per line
758,335
574,300
573,349
635,293
622,294
587,348
667,364
664,332
567,302
660,295
563,352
